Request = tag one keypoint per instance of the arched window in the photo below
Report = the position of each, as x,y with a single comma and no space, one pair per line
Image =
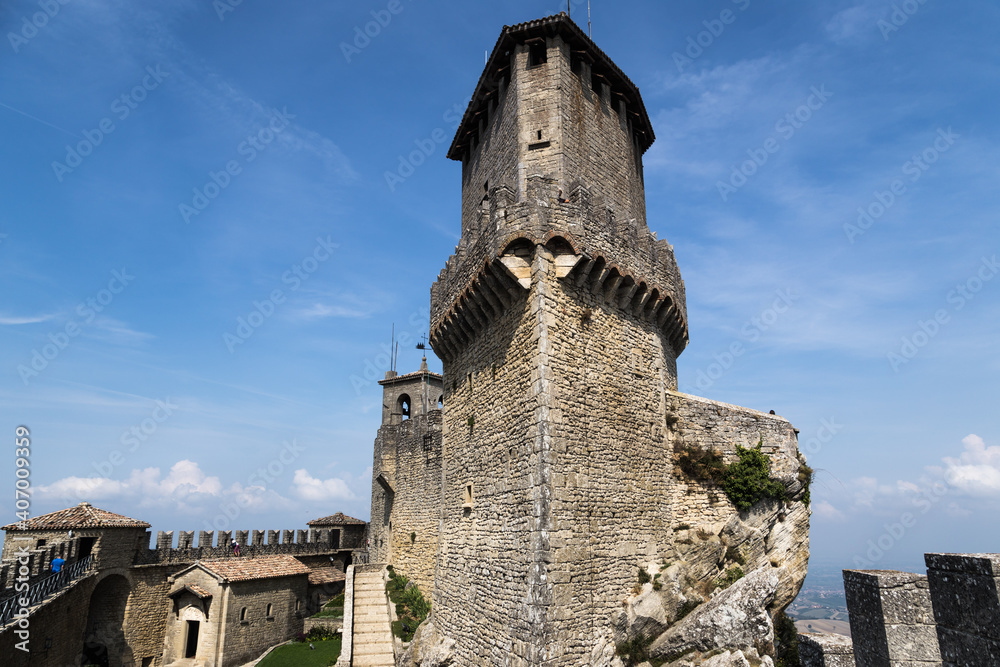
270,610
441,402
404,406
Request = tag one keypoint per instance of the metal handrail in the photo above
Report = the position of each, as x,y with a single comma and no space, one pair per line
44,588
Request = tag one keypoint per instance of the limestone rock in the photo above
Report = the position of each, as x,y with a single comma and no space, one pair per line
727,659
427,649
736,618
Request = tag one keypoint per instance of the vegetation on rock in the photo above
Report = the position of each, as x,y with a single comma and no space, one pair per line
746,481
411,605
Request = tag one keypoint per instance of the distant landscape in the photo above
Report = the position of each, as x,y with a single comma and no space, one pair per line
821,605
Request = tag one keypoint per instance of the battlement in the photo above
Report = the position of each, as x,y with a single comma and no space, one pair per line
948,617
217,544
620,259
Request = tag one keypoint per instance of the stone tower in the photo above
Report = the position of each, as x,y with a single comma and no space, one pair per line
406,475
559,321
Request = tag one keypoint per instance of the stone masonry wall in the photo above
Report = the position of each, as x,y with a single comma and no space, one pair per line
892,623
492,161
964,590
569,457
245,641
407,536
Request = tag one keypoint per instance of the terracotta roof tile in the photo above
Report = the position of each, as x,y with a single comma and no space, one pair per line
194,588
263,567
83,515
338,519
325,575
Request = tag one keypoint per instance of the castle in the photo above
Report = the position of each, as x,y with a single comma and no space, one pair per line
549,477
119,603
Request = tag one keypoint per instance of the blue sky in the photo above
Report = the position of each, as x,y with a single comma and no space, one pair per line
201,258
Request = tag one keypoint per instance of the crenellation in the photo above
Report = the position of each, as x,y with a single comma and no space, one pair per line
205,539
164,540
185,539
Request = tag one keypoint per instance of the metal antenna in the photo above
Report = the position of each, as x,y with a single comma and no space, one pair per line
590,29
392,344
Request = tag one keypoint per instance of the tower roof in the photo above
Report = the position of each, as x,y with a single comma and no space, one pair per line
83,515
338,519
562,25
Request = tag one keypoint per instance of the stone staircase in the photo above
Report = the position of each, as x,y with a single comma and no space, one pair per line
372,629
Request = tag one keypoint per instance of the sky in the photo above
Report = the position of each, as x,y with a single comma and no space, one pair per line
213,218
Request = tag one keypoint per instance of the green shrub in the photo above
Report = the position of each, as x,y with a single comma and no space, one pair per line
748,480
702,465
806,475
786,635
735,555
731,576
411,606
643,576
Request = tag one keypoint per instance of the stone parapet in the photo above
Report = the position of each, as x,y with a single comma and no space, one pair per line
892,622
295,543
964,590
826,650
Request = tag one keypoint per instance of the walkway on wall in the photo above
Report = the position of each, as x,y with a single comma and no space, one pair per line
372,629
41,590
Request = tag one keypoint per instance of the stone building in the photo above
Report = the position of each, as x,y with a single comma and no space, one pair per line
404,526
124,602
228,612
559,320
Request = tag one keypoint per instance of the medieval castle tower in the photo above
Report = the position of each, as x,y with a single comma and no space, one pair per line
549,476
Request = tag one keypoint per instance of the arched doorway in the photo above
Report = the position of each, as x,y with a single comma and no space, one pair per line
104,643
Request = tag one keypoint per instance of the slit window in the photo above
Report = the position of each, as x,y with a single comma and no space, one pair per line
243,614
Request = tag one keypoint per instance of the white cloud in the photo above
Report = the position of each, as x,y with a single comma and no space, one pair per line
825,510
13,320
307,487
184,488
854,23
976,471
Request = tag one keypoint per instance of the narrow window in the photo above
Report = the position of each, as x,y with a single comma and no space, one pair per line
467,496
537,53
270,609
243,615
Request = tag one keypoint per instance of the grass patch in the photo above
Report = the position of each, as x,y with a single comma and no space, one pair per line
298,654
411,606
332,609
806,475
